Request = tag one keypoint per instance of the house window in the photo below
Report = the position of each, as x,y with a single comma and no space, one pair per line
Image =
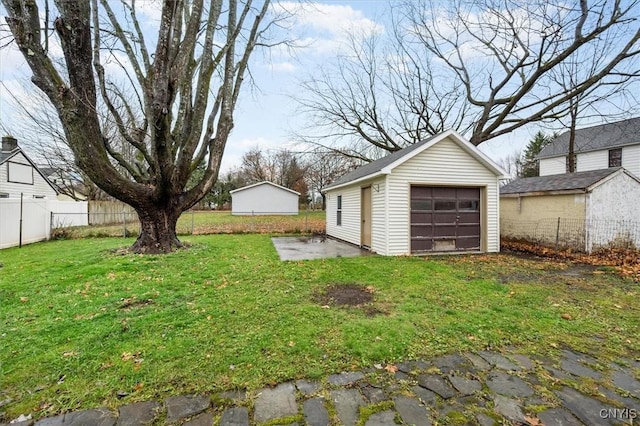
38,197
4,195
615,157
339,212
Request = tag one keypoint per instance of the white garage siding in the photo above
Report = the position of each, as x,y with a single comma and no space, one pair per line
443,164
379,216
349,230
593,160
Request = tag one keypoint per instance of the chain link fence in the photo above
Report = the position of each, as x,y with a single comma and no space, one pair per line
575,234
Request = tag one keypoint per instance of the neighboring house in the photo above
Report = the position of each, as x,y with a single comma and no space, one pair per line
437,195
20,175
67,185
598,147
583,209
264,198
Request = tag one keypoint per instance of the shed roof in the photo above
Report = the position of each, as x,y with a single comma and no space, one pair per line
581,181
385,164
264,183
603,136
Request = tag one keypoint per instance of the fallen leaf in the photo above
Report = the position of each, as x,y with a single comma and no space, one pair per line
533,421
70,353
566,316
24,299
291,343
391,368
138,386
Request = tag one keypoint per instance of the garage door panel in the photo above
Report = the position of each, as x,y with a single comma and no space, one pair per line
468,243
421,217
445,218
421,231
445,231
421,245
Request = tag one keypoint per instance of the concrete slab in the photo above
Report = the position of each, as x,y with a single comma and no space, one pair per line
315,247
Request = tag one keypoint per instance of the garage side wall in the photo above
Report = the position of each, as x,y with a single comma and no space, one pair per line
613,216
264,200
379,217
443,164
349,230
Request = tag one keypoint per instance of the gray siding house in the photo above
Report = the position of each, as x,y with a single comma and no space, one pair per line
437,195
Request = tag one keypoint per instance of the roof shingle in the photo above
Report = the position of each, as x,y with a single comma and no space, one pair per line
603,136
564,182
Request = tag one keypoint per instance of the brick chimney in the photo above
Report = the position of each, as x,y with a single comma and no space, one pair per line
9,143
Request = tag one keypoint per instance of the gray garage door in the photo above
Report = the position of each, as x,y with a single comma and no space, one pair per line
445,219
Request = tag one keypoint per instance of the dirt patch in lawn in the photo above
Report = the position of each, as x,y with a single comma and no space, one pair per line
348,295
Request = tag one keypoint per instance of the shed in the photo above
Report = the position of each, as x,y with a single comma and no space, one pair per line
437,195
19,175
264,198
582,210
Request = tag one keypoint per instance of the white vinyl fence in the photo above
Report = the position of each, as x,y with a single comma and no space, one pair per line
30,220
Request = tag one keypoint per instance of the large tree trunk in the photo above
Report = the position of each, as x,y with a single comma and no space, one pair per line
157,230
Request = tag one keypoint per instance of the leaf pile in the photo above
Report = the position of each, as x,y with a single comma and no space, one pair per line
625,261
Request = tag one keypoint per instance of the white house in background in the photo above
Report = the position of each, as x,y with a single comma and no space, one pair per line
20,175
595,208
598,147
438,195
264,198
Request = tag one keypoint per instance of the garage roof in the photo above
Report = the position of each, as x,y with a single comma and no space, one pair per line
385,164
580,181
263,183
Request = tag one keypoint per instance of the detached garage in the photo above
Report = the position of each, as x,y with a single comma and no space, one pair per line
264,198
582,211
438,195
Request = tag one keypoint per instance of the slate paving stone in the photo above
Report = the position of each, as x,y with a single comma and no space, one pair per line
578,369
374,395
508,408
315,413
624,380
578,357
523,361
449,363
183,406
344,379
274,403
558,417
478,362
138,413
465,386
558,374
622,401
425,395
436,384
588,410
203,419
236,416
411,411
97,417
407,366
384,418
508,385
498,361
347,403
484,420
306,387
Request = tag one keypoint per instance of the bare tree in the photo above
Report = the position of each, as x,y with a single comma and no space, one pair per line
325,166
483,68
185,93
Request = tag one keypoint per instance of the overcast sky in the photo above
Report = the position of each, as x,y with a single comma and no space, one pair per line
266,113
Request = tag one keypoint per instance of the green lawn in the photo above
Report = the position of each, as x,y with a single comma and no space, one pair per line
80,321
